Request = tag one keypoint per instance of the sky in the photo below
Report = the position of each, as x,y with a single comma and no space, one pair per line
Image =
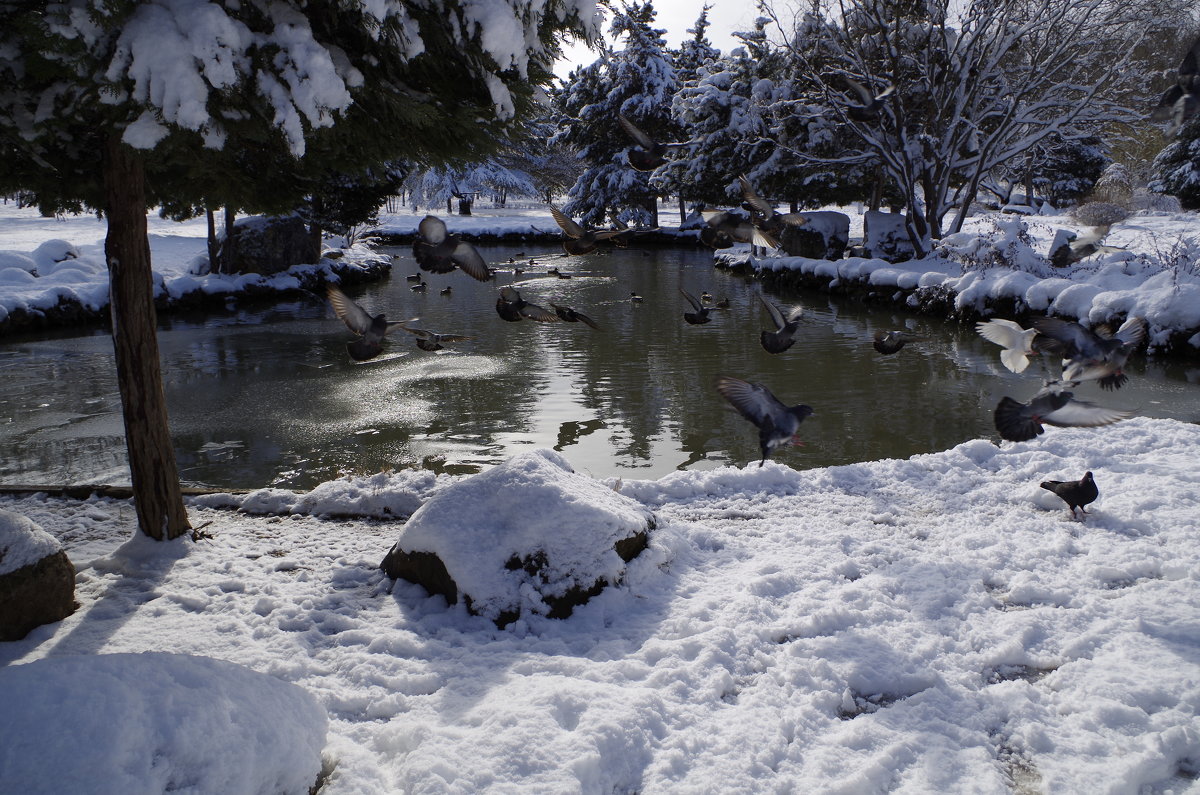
676,17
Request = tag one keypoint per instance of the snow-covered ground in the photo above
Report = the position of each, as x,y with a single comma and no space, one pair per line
938,624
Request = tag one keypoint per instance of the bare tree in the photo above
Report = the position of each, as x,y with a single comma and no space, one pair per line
941,94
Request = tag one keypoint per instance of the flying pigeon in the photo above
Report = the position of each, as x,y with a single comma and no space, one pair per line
888,342
370,329
438,251
777,423
1053,405
650,154
1017,342
784,335
1089,356
763,214
871,103
580,240
1182,100
1076,493
1071,249
699,316
512,307
726,228
432,341
569,315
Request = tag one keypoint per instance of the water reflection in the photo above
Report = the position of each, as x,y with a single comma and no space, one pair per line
267,395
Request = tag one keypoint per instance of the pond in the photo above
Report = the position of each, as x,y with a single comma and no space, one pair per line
267,396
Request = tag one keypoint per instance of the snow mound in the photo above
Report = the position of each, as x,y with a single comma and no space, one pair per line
526,534
156,722
22,543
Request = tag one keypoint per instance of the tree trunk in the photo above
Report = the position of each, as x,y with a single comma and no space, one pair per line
214,248
227,258
152,471
682,209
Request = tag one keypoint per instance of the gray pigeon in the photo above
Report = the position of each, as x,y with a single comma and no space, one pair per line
438,251
432,341
580,240
512,307
1088,356
763,214
1052,405
871,103
888,342
1181,101
1075,493
784,335
370,329
650,154
724,228
700,315
570,315
777,424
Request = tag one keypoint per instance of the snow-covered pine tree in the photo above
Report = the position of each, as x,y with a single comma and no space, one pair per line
1176,169
105,103
637,81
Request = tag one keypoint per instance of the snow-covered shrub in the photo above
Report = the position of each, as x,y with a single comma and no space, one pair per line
1176,168
1007,245
1157,202
1115,185
1100,213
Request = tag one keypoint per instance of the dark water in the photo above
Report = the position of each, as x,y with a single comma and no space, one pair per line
267,396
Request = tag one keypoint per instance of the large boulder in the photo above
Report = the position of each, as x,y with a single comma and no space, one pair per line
885,236
37,580
528,536
269,245
825,236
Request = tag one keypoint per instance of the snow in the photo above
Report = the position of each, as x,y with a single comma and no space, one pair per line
22,543
936,624
532,503
156,722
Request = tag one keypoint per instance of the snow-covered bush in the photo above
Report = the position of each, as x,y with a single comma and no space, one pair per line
1007,245
1115,186
1100,213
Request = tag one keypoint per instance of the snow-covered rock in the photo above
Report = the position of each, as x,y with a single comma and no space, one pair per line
156,722
37,581
530,535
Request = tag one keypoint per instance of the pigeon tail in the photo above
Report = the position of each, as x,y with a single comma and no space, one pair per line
1012,422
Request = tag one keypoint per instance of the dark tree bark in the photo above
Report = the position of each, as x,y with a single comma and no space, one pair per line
213,246
228,255
152,470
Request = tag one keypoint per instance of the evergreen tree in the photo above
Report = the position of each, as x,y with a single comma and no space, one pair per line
117,105
1176,169
637,81
1066,169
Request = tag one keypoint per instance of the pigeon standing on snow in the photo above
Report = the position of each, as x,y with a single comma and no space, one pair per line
784,335
438,251
700,315
1052,405
777,424
1089,356
370,329
888,342
1075,493
1182,100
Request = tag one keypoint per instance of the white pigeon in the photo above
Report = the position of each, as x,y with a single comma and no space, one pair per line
1016,341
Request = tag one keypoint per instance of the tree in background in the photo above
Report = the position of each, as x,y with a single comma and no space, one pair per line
1176,169
638,81
974,86
1066,169
112,105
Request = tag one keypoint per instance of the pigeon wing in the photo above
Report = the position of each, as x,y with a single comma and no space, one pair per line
773,311
535,312
471,261
1084,414
753,401
572,229
691,300
353,315
760,205
632,130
